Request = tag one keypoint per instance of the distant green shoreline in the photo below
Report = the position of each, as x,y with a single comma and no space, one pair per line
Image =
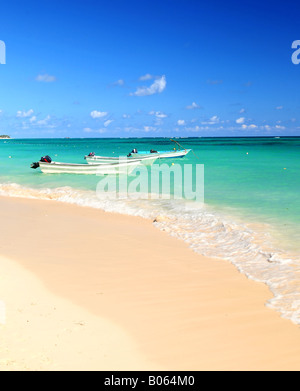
4,137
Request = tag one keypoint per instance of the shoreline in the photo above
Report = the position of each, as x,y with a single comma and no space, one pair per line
179,310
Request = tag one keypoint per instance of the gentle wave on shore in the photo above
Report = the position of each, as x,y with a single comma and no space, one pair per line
208,231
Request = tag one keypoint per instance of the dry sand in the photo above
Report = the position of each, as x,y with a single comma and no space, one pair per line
88,290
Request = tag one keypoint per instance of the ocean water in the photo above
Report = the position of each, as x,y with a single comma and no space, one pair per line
251,211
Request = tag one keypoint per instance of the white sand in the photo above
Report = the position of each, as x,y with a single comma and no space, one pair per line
42,331
110,292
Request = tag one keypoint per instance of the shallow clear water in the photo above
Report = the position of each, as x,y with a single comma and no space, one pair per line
251,214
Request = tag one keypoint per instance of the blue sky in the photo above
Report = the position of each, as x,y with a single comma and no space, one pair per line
149,68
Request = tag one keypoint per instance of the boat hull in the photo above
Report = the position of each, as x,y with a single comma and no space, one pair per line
146,161
163,154
146,158
88,169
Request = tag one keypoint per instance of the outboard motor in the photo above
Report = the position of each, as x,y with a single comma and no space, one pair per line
44,159
133,151
35,165
153,151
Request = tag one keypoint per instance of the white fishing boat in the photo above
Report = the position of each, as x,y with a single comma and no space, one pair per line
145,160
120,167
144,155
161,154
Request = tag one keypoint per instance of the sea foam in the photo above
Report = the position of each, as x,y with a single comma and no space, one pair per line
207,231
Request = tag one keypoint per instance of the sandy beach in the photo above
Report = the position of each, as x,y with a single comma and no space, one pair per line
82,289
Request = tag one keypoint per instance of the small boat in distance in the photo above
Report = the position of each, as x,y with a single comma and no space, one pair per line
47,166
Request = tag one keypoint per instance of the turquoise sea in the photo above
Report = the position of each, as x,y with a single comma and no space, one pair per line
251,213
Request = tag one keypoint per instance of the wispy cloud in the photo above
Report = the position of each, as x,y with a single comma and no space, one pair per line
98,114
156,87
44,121
149,128
24,114
158,114
212,121
240,120
146,77
252,126
279,107
181,122
108,122
193,106
45,78
119,82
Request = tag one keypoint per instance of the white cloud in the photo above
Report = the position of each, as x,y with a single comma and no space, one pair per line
279,127
279,107
119,82
193,106
146,77
155,88
24,114
149,128
252,126
158,114
181,122
45,78
242,111
32,119
212,121
98,114
109,121
240,120
44,121
267,127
